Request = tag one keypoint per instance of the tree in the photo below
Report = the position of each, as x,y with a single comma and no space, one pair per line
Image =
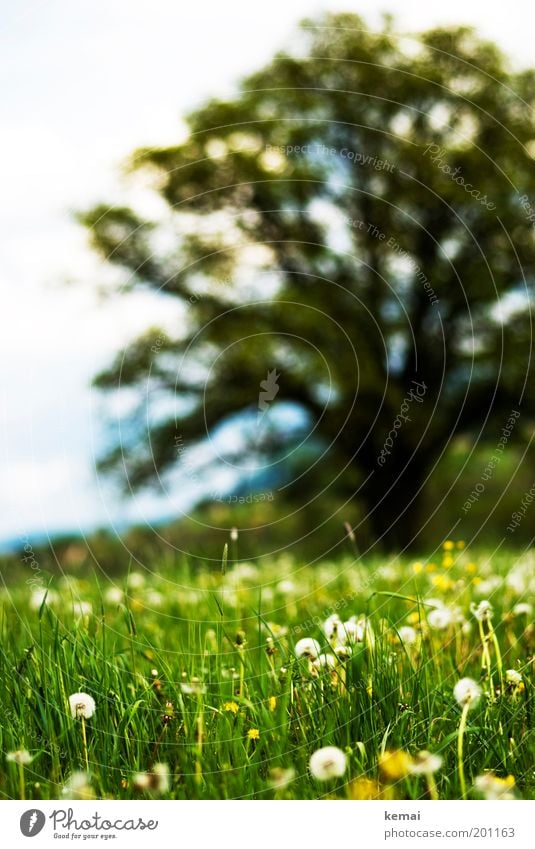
357,222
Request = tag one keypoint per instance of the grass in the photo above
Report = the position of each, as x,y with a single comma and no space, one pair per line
197,685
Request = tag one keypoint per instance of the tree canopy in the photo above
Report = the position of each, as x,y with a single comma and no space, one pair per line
354,230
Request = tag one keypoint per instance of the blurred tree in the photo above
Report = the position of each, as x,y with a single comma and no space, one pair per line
353,229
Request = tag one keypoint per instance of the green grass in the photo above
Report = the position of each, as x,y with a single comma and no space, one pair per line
196,670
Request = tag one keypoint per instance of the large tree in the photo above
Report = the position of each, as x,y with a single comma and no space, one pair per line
354,228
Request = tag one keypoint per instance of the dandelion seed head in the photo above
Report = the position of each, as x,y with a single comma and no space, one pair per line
21,757
307,647
467,692
327,763
82,705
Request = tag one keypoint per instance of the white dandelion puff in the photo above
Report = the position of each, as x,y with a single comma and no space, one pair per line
21,757
467,692
328,762
307,647
82,706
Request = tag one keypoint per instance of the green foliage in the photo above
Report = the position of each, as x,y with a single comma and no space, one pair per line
352,219
184,662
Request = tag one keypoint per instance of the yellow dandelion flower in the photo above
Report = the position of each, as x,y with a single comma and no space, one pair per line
364,788
272,703
461,543
413,618
471,568
231,707
431,567
417,568
448,545
447,561
253,734
394,765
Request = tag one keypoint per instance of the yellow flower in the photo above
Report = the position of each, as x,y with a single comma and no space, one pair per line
460,543
231,707
447,561
272,703
253,734
448,545
431,567
417,568
364,788
471,568
394,765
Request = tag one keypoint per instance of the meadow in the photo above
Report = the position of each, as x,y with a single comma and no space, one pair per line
357,679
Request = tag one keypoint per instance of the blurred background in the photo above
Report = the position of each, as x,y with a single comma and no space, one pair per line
194,425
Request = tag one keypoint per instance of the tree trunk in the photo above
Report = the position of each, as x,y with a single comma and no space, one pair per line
393,498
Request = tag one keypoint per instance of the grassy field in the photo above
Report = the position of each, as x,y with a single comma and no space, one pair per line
199,690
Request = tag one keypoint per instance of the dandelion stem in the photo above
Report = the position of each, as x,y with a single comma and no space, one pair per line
22,786
485,656
499,662
84,738
460,742
432,786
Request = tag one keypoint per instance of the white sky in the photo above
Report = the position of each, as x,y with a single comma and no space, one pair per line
83,83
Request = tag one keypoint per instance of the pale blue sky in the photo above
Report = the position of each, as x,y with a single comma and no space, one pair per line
82,85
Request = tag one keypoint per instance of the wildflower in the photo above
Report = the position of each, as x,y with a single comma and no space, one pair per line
365,789
81,609
78,786
307,647
135,580
324,661
272,703
513,682
328,762
154,598
513,677
161,777
523,608
82,706
467,692
270,646
114,595
280,777
407,635
253,734
21,757
394,765
342,652
353,631
487,587
231,707
461,544
493,788
168,713
39,596
448,545
156,780
425,763
195,687
440,618
483,611
332,628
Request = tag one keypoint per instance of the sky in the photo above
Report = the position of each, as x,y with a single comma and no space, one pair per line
83,84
